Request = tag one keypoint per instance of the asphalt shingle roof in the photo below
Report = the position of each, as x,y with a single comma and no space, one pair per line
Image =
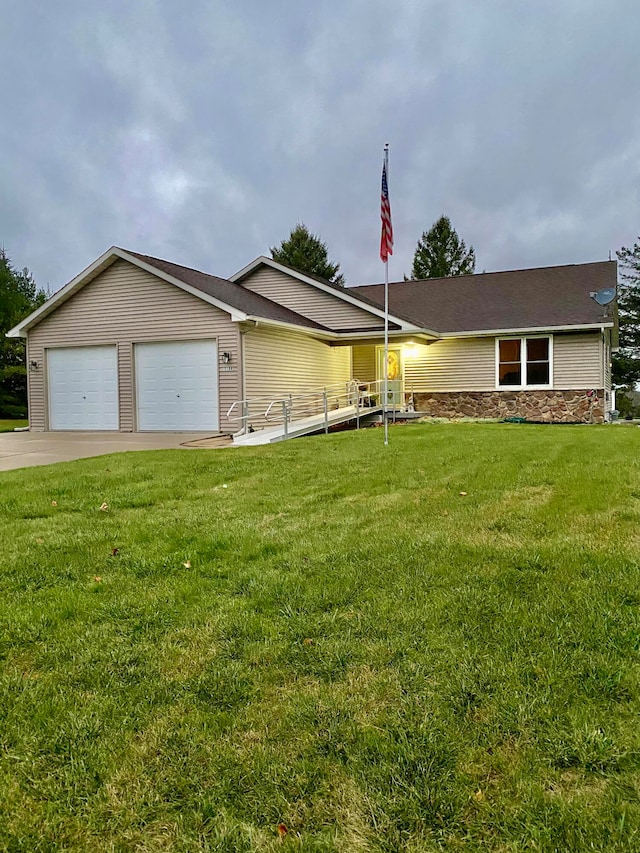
517,299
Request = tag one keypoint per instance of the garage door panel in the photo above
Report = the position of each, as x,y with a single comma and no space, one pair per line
177,385
83,388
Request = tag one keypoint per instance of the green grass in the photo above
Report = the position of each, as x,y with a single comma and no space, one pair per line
339,641
9,424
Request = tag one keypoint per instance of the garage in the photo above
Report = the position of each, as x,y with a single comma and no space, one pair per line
83,388
177,386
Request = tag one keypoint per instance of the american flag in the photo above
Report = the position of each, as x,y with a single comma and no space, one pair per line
386,236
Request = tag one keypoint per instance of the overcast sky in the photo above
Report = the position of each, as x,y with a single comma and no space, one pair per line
203,131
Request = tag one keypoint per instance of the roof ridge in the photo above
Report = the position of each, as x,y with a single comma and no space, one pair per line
491,272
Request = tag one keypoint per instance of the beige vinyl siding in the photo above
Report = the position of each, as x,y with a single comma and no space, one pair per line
123,305
577,361
364,363
278,362
469,364
459,364
311,302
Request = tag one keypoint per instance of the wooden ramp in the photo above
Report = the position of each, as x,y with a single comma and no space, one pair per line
305,426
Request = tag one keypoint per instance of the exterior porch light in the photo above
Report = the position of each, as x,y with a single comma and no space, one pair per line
410,350
225,357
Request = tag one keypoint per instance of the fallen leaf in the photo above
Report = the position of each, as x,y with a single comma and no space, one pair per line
187,564
98,579
115,552
282,830
224,486
104,507
308,641
463,494
478,795
54,503
39,541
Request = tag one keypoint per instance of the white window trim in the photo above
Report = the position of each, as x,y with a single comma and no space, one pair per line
523,362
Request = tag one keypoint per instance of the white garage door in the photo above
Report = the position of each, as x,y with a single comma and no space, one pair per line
177,386
83,388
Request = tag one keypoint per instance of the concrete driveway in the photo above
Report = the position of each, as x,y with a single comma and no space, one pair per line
24,449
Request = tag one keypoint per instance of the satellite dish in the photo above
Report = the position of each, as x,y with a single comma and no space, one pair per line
604,297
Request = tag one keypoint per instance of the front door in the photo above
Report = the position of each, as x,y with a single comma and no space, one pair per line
395,385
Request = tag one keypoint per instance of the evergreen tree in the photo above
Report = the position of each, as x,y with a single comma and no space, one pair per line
307,253
441,252
18,297
626,362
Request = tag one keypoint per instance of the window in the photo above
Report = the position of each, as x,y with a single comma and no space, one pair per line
523,362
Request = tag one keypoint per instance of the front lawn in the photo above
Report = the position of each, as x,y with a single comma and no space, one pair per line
9,424
326,645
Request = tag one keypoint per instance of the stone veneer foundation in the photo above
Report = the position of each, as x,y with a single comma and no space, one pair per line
560,407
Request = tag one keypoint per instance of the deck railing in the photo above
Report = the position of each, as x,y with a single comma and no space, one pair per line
262,411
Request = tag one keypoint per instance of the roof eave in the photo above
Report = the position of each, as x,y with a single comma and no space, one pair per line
324,334
571,327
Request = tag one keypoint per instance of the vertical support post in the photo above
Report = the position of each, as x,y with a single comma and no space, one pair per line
386,324
285,417
325,404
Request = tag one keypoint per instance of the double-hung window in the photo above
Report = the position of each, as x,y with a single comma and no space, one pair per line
524,362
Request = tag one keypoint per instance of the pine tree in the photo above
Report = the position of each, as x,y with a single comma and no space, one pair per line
18,297
441,252
626,362
307,253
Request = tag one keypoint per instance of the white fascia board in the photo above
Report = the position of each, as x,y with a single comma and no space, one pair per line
103,262
329,335
393,333
305,330
344,293
480,333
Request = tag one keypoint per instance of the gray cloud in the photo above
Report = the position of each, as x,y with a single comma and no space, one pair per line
203,133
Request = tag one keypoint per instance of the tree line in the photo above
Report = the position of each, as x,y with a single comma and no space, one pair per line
19,295
440,253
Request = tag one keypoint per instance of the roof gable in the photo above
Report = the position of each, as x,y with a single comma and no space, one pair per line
344,295
239,303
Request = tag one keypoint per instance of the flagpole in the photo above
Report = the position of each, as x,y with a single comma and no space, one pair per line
386,324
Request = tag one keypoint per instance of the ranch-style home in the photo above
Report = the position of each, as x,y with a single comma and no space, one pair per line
134,343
